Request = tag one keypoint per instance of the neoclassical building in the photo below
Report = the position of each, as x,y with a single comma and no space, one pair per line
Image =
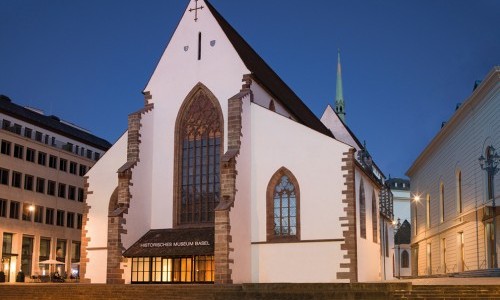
226,176
454,204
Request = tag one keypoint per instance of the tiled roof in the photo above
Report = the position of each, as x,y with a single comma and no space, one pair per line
268,78
51,123
403,236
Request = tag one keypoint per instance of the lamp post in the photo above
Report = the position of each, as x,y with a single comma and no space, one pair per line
490,165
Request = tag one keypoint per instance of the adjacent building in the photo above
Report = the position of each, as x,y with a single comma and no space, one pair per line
454,213
226,176
43,161
402,250
400,188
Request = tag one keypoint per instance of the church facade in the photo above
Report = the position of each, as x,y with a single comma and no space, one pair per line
226,176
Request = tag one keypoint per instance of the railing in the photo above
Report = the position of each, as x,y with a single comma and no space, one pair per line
57,144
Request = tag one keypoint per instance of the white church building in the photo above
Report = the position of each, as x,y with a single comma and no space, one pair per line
226,176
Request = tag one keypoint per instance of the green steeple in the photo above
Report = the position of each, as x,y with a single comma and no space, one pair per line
339,97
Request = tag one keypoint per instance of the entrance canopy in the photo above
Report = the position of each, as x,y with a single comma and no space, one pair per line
173,242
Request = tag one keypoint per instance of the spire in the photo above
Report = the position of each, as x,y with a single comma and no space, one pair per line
339,97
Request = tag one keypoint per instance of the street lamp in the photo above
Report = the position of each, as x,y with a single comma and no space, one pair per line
490,165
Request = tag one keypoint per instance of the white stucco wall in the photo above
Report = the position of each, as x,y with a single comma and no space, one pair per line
139,212
102,182
220,70
315,160
240,213
332,122
369,267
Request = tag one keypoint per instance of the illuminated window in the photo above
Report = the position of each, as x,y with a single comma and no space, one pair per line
171,270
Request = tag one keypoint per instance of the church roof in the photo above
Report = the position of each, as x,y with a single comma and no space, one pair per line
51,123
403,236
267,77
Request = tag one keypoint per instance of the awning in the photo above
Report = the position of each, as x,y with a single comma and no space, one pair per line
173,242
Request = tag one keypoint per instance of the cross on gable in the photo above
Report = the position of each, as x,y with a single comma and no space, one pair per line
196,7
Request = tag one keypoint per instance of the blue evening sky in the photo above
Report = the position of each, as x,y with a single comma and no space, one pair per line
406,64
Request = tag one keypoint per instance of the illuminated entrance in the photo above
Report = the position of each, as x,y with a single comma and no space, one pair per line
173,256
199,269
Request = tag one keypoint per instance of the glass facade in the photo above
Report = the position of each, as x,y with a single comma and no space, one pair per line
196,269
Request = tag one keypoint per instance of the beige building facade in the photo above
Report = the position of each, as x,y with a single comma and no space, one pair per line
453,201
43,161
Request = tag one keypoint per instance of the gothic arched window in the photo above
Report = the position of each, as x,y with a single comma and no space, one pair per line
283,207
405,259
199,132
374,217
362,210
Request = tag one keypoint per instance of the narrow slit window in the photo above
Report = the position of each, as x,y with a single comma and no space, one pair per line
199,45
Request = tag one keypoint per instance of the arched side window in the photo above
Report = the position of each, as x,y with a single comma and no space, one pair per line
428,210
459,192
405,259
362,210
283,207
489,175
374,217
199,142
441,200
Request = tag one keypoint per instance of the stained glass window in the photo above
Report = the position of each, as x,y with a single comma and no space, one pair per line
199,175
285,208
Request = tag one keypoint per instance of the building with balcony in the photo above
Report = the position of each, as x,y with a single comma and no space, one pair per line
43,161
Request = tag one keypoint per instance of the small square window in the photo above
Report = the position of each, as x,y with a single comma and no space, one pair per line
30,155
18,151
5,149
53,162
42,158
16,179
28,132
28,182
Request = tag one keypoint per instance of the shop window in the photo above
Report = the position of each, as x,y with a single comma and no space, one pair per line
173,270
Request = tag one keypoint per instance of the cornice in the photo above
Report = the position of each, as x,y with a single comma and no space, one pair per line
490,84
